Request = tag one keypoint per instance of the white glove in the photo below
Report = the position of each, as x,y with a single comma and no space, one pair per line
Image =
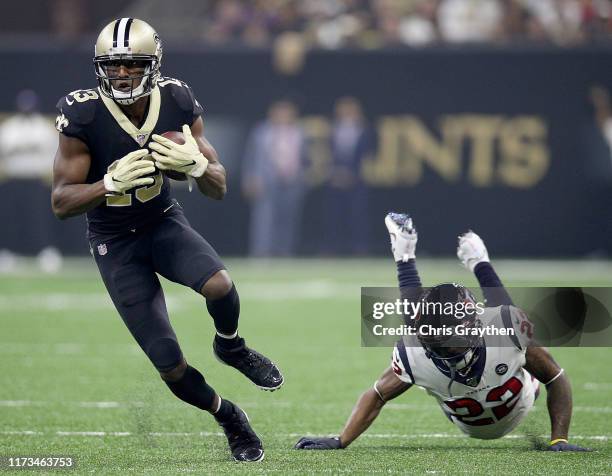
403,236
471,250
185,158
128,172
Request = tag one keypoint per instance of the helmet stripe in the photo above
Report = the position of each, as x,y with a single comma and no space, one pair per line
126,41
115,32
121,32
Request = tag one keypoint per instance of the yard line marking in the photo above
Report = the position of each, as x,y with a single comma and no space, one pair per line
252,291
31,403
93,433
140,404
593,409
597,386
109,404
286,435
18,403
68,348
23,432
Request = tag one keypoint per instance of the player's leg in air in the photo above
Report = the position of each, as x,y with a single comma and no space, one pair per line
473,254
223,305
182,255
429,366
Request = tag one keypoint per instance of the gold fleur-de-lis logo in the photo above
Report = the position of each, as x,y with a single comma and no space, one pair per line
61,121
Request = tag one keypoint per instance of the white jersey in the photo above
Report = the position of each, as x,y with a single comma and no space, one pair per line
497,393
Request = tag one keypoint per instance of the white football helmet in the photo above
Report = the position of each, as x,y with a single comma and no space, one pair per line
134,44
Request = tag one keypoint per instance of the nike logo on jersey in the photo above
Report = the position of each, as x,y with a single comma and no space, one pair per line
70,103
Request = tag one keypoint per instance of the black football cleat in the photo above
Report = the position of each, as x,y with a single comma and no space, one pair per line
257,368
244,444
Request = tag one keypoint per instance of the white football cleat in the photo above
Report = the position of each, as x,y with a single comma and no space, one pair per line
403,236
471,250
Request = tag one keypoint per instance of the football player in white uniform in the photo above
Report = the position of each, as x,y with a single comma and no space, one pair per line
485,390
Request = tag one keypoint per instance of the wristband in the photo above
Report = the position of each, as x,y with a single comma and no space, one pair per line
554,378
558,440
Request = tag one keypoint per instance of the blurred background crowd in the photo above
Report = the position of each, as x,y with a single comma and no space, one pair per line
368,24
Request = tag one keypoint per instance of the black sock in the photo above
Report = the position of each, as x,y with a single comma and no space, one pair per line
492,288
225,312
486,275
407,274
225,412
193,389
409,280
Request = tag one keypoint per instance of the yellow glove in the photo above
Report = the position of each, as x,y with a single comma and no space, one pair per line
128,172
185,158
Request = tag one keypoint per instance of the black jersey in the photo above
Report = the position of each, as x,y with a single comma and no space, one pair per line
108,133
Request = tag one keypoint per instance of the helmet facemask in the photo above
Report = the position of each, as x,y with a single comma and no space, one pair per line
141,84
456,352
132,45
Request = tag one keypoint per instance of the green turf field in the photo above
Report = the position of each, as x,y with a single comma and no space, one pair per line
74,383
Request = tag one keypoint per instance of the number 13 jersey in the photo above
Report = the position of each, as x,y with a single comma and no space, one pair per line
109,135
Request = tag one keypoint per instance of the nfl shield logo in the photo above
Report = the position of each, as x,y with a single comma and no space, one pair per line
102,249
141,139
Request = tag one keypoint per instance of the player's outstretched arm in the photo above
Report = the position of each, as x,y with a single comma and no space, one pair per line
542,366
364,413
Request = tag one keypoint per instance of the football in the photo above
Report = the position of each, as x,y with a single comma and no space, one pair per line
175,136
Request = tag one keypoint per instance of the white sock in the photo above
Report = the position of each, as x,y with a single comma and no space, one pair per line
218,406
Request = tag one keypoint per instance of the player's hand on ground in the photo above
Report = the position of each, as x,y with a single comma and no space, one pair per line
185,158
129,172
471,250
313,443
403,236
565,446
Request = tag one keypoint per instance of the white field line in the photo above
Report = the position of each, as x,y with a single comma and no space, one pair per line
104,405
511,269
139,404
596,386
65,348
269,291
285,435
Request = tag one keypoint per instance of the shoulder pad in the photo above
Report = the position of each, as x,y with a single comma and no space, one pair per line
515,318
182,94
79,106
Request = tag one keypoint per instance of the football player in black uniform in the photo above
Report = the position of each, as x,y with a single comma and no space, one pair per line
113,164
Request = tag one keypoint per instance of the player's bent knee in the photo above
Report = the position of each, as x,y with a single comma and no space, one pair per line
217,286
193,389
175,374
166,356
